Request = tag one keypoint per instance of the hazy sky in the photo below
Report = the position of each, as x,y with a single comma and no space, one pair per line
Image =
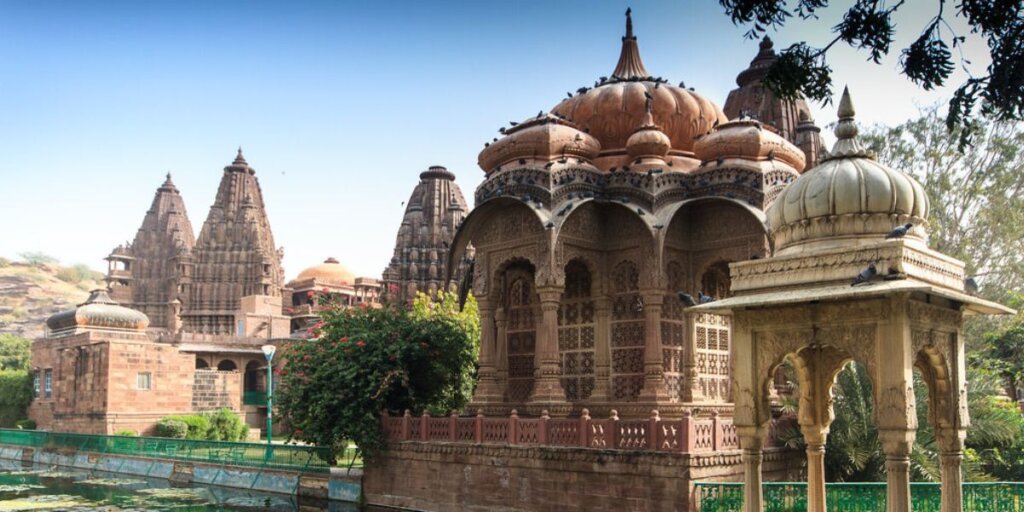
338,106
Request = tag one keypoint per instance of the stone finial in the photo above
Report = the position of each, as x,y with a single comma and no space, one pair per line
846,131
614,415
239,158
630,65
655,415
585,414
629,22
544,414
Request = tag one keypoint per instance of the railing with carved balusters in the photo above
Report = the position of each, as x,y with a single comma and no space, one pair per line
686,435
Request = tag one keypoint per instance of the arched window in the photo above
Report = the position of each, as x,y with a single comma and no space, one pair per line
201,364
227,365
715,281
520,329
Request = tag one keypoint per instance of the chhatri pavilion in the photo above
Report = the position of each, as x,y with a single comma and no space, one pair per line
643,264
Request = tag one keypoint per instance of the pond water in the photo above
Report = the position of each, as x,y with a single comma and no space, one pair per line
26,488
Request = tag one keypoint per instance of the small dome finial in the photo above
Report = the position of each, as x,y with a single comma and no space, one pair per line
846,128
629,65
629,22
239,158
846,110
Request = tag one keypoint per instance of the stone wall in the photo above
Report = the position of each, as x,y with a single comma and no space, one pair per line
448,476
212,390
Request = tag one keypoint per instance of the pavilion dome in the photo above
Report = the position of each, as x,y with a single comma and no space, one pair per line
99,312
615,108
750,140
542,138
329,272
848,198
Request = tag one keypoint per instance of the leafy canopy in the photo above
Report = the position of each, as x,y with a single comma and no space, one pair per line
928,61
333,388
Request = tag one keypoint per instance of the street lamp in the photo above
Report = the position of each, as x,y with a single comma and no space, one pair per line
268,350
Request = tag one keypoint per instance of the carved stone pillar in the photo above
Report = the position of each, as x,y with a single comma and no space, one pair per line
501,354
815,437
896,445
689,388
752,445
654,381
951,457
547,385
487,390
602,350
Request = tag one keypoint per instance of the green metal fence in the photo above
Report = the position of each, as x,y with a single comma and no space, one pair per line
254,398
861,497
277,456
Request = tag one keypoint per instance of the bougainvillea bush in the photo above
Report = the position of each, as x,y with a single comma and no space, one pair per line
361,361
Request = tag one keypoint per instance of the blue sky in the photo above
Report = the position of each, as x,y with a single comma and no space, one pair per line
339,106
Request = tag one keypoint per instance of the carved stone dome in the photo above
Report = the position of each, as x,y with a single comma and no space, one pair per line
648,141
542,138
99,312
328,272
750,140
848,198
614,109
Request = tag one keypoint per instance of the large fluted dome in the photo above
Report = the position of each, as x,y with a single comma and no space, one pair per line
329,272
542,138
750,140
614,110
100,312
848,196
616,107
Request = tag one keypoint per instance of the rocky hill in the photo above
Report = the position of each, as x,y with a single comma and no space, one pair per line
29,293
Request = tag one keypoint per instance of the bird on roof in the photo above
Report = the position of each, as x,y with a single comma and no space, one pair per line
899,232
865,275
640,212
704,299
512,123
971,286
687,299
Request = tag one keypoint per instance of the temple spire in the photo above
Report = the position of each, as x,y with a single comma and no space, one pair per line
239,159
846,131
630,65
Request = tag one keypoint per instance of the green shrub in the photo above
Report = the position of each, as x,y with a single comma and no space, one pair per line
38,259
226,425
170,427
15,395
4,262
28,424
126,433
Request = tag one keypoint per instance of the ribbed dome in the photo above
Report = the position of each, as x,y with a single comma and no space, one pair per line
542,138
328,272
100,312
750,140
849,195
614,109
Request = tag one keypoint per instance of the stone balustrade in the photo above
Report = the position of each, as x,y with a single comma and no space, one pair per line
689,434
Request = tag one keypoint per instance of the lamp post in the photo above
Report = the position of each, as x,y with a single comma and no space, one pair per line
268,350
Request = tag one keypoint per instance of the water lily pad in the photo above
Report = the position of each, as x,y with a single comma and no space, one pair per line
177,493
46,502
112,482
19,488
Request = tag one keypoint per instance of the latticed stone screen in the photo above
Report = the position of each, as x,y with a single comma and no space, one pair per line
712,333
627,332
673,331
521,334
576,333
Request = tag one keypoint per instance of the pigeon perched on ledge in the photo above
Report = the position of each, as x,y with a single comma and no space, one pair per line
899,232
687,299
865,275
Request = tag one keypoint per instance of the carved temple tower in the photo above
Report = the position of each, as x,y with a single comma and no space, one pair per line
148,274
234,257
792,119
435,210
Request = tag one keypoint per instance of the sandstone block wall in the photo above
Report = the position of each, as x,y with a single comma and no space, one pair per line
212,390
448,476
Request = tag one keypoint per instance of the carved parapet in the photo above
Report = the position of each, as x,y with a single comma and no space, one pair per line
898,258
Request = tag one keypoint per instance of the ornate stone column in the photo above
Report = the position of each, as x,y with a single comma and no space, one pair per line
547,386
751,446
501,354
897,445
602,350
951,457
487,390
654,382
815,437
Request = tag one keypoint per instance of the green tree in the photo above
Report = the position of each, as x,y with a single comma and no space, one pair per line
37,259
363,361
15,352
15,396
928,61
976,198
